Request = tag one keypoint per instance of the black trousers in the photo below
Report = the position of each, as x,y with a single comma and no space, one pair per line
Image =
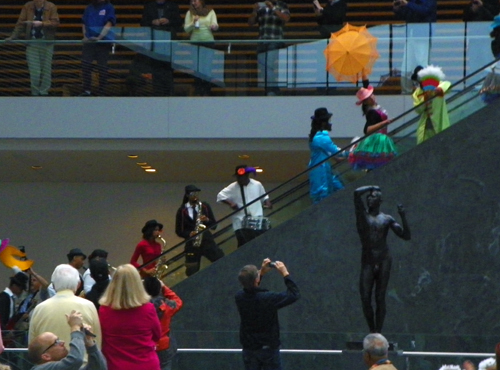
208,249
100,53
245,235
375,276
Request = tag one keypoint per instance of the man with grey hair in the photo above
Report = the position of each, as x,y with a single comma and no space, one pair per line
258,309
49,316
375,352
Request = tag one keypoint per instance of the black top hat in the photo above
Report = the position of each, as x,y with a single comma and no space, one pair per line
98,253
321,114
20,279
191,189
75,252
151,224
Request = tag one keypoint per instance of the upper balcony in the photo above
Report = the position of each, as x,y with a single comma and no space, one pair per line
231,67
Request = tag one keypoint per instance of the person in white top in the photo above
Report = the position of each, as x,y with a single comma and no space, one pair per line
88,281
232,195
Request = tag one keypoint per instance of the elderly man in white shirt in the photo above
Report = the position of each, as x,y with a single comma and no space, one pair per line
49,316
233,194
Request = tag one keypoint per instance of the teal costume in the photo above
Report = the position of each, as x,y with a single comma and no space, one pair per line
322,179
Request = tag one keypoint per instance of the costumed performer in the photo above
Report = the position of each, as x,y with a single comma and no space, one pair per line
430,102
378,148
323,181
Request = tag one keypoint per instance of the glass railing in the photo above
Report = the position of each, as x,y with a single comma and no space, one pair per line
335,351
292,196
233,68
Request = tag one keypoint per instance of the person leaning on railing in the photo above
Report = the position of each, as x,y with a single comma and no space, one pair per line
478,10
271,17
161,15
331,17
200,23
97,20
38,21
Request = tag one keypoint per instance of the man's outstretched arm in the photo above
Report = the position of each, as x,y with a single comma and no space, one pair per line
402,231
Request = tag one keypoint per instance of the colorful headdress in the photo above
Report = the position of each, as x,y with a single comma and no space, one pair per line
430,77
243,170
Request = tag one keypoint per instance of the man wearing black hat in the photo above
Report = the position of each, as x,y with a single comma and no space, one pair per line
240,193
148,248
76,259
192,217
18,284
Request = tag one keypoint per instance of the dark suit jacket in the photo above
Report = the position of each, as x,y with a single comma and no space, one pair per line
185,224
170,11
4,309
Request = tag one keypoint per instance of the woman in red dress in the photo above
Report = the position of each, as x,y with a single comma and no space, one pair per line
148,248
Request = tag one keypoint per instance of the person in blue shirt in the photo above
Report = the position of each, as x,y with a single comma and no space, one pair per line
97,20
416,11
322,180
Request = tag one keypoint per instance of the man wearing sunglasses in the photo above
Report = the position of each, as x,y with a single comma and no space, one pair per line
48,352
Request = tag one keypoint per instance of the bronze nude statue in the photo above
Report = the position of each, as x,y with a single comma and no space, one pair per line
376,259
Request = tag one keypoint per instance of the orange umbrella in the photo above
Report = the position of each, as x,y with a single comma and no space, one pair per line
351,53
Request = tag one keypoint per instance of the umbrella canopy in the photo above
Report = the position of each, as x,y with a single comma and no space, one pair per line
351,53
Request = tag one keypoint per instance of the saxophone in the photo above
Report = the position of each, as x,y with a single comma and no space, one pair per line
199,227
161,265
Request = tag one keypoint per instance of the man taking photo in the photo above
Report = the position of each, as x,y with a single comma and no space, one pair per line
258,309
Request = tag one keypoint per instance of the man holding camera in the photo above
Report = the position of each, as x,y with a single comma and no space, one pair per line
258,309
271,18
48,352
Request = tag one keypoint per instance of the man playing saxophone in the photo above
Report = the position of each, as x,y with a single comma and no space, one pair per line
194,216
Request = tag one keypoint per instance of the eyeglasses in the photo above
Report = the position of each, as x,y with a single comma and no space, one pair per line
56,343
193,193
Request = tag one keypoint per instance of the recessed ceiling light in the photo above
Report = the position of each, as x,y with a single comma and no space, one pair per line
150,170
243,156
145,167
36,167
142,163
133,156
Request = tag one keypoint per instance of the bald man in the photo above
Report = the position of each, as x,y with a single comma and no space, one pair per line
48,352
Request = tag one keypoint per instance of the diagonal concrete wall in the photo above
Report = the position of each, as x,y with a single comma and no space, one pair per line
443,291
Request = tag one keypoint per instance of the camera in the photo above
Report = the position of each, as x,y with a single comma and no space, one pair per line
272,265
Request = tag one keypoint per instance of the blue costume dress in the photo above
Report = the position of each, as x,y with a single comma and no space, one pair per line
322,180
